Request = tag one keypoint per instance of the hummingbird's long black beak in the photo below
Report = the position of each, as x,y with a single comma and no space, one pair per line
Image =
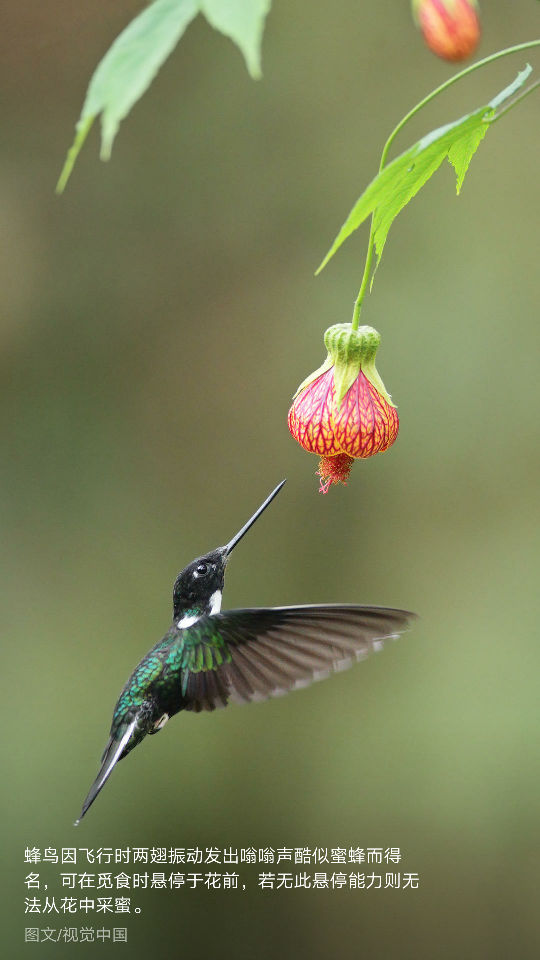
255,517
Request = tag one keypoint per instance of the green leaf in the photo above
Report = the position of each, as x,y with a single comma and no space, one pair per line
400,180
242,21
127,70
133,60
398,183
462,151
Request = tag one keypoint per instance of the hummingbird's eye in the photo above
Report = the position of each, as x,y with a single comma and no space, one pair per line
202,569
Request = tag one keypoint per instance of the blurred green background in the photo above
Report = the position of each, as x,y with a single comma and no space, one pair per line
154,323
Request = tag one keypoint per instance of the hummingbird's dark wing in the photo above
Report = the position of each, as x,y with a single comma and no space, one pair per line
242,655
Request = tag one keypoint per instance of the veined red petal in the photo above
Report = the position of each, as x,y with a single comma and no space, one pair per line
366,423
310,417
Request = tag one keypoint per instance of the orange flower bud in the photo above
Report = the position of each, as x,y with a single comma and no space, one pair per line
451,28
342,412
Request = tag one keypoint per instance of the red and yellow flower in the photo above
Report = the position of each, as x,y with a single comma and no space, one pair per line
343,412
451,28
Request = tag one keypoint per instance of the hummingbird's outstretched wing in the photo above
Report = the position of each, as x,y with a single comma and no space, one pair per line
242,655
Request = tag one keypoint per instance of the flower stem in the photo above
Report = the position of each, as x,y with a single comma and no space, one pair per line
431,96
365,278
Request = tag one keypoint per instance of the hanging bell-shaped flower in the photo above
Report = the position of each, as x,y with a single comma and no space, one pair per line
342,412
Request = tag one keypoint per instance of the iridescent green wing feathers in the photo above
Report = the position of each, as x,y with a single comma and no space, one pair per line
203,657
248,655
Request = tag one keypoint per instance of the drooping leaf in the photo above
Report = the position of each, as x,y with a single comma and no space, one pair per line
127,70
242,21
462,151
131,63
414,168
400,180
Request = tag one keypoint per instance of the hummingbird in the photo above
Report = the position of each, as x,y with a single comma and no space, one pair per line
208,658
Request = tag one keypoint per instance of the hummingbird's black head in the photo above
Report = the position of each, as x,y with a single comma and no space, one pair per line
198,589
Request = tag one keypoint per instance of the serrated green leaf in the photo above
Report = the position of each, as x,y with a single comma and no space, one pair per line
127,70
242,21
400,180
131,63
462,151
407,183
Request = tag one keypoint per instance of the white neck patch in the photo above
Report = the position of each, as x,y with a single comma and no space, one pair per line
215,602
214,607
187,621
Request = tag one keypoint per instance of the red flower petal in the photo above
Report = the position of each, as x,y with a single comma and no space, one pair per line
310,417
365,423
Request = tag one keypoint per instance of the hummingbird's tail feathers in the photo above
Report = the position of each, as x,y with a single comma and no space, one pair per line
268,652
112,754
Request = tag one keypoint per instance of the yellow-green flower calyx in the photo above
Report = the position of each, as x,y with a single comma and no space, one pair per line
349,352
